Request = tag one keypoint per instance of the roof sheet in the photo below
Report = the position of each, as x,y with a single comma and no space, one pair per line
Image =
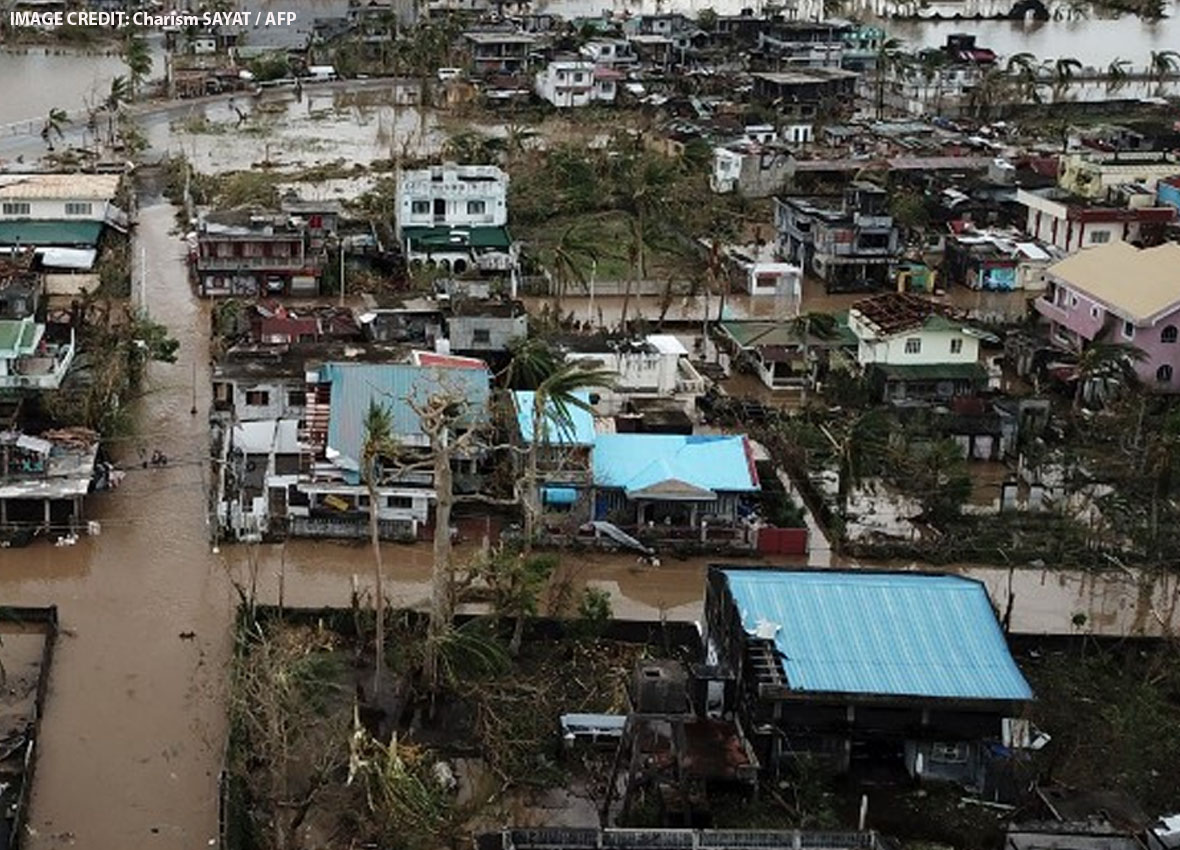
578,431
65,187
1139,284
77,259
50,232
397,386
899,634
661,463
456,238
932,371
777,332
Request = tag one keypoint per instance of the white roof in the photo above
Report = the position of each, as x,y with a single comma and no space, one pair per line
667,344
78,259
266,435
27,187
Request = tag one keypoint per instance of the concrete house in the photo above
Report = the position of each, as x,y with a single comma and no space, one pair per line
901,671
44,480
563,457
850,241
910,347
494,52
775,350
240,252
455,216
1071,223
656,366
1093,174
34,356
751,169
58,197
569,82
1122,294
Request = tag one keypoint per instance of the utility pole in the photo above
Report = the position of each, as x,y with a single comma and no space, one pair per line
340,248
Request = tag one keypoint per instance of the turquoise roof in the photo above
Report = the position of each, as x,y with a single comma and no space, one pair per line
50,232
427,239
577,431
899,634
396,386
647,462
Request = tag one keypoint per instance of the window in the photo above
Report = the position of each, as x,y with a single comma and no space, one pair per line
257,398
578,78
16,208
1095,312
956,346
1129,330
1099,237
79,208
1073,301
296,398
945,753
913,345
420,207
481,335
1164,374
402,502
476,207
1168,334
362,500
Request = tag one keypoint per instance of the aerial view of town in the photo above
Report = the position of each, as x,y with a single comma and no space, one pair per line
590,424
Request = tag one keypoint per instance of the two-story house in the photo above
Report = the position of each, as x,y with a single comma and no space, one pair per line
44,480
1121,294
849,241
499,52
244,253
66,212
1093,173
913,348
1071,222
455,217
868,669
609,53
656,366
568,82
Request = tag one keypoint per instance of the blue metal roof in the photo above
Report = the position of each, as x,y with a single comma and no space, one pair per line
578,431
396,386
900,634
635,462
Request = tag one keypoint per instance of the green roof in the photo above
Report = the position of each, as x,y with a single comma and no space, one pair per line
18,336
10,334
759,332
426,239
50,232
932,372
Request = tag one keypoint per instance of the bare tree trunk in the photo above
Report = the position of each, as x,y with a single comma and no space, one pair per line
378,589
442,604
530,502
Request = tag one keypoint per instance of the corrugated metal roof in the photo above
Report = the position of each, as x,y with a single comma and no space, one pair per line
899,634
50,232
395,385
578,431
638,462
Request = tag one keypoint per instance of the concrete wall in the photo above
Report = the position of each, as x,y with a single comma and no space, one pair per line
935,349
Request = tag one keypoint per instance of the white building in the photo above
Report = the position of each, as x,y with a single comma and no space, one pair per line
657,366
59,197
32,359
609,52
1071,223
451,195
567,83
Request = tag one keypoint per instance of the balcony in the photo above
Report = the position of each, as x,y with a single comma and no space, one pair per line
293,263
1051,311
688,379
43,371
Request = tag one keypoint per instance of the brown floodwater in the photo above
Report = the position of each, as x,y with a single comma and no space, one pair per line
133,732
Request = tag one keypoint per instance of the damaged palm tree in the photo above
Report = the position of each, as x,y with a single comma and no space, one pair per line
378,443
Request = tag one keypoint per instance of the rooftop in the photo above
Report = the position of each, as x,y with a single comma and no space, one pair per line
674,466
1141,284
892,313
50,232
428,239
878,633
66,187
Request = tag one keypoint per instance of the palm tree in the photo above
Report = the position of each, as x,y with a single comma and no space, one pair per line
806,326
861,453
119,94
1163,64
378,443
138,59
554,401
1064,70
888,59
932,62
1025,72
1108,362
992,88
641,181
56,119
567,262
1116,74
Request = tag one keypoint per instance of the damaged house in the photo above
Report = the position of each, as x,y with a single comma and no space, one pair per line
868,670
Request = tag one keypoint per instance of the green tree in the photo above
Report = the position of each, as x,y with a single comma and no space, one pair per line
1107,363
1163,64
138,58
806,327
1116,74
378,443
554,400
707,19
991,90
567,262
1064,71
641,185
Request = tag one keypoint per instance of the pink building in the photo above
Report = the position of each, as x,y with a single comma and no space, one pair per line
1123,294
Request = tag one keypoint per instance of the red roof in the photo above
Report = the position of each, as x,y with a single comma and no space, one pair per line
449,361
